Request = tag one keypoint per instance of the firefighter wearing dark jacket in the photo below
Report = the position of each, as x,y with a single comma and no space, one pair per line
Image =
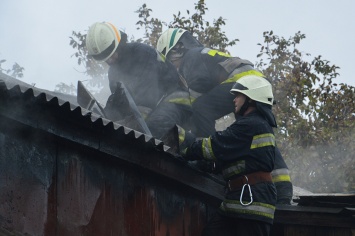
152,81
210,75
245,153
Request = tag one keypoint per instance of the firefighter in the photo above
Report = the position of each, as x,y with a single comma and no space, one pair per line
210,75
245,154
152,81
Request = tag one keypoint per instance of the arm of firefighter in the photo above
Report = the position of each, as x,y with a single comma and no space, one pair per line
188,143
200,149
121,105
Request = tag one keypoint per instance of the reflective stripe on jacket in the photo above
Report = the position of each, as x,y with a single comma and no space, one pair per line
202,69
280,175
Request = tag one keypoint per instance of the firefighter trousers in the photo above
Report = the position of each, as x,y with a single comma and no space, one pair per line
220,225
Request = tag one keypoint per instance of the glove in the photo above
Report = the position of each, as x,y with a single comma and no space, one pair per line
185,141
116,106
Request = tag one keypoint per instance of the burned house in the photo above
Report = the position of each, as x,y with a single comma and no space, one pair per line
65,170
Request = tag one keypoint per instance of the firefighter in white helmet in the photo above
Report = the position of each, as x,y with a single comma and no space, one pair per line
210,75
152,81
244,153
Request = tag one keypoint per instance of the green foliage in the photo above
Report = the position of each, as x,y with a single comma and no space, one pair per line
210,35
315,115
16,71
152,26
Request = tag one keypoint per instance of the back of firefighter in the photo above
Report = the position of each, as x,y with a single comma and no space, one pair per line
152,81
245,153
210,75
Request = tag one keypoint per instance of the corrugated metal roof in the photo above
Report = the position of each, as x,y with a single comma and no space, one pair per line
12,87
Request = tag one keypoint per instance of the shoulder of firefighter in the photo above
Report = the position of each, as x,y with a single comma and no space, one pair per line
204,68
234,67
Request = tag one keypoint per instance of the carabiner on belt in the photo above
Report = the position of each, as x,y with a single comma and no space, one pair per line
250,194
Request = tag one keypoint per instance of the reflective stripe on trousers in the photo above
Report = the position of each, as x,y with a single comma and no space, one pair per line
256,208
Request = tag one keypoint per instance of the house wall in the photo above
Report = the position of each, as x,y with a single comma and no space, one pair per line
52,186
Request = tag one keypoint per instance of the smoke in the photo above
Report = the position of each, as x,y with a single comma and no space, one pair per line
322,169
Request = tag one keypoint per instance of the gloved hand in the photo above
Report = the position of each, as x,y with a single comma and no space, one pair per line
117,106
185,140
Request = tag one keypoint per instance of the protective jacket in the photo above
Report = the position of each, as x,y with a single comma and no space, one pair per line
204,68
247,146
210,75
152,82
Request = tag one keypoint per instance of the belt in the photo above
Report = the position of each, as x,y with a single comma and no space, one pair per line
251,179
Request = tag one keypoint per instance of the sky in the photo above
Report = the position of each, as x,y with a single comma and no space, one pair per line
35,33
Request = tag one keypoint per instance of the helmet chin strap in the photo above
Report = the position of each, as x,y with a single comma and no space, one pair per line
245,106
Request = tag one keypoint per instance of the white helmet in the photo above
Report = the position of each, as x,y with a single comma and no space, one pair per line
255,87
169,39
102,40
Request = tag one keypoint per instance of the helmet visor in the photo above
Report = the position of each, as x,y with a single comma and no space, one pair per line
105,54
237,87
